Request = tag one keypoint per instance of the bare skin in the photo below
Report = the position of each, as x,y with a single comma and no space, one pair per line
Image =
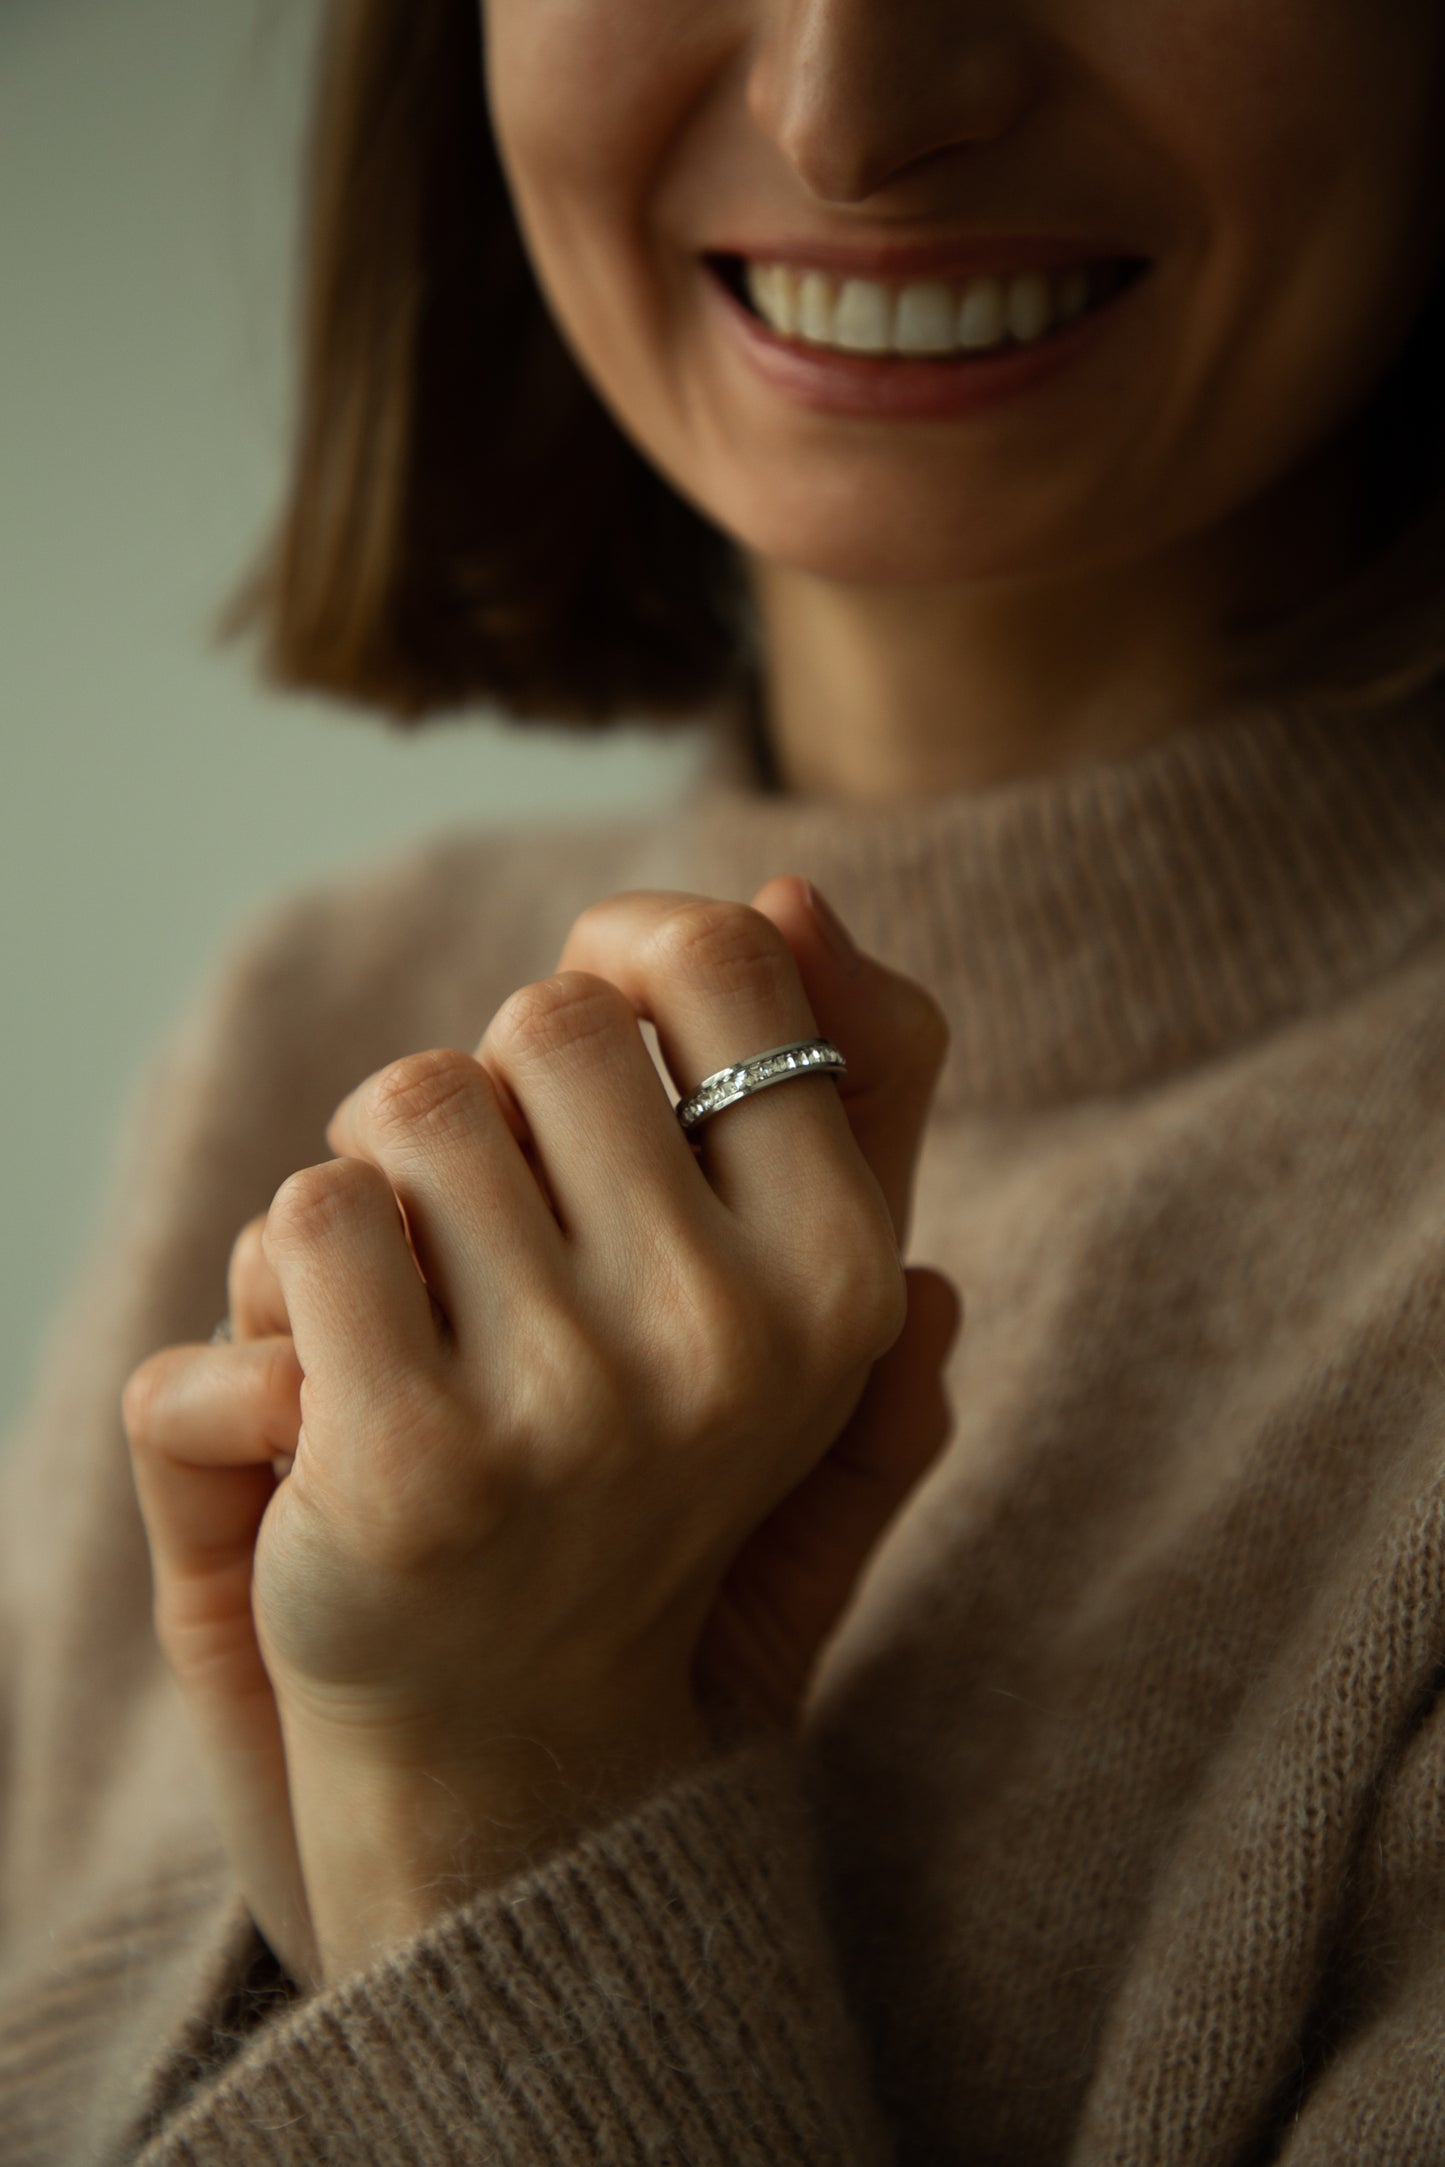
949,604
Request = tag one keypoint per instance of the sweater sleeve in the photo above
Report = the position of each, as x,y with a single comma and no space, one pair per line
665,1991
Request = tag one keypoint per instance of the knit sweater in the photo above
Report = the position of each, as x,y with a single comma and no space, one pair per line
1116,1829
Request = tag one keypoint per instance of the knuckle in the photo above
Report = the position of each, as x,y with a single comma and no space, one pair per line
554,1014
730,946
598,918
310,1203
425,1090
590,920
860,1291
927,1023
852,1279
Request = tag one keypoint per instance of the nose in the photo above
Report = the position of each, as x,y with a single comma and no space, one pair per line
856,93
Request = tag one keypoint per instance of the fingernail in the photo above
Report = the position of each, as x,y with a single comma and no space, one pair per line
838,941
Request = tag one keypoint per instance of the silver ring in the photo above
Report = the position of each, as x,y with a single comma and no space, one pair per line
780,1064
222,1331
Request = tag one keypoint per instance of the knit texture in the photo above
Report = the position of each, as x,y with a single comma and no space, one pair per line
1115,1836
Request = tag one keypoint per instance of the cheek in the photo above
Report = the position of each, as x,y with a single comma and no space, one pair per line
546,136
586,99
1288,121
1277,111
1301,136
580,94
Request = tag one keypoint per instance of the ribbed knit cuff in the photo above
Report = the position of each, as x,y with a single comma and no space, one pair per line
665,1991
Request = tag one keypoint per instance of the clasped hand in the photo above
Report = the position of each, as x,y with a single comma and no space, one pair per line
591,1426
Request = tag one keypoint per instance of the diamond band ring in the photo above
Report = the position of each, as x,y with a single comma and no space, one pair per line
780,1064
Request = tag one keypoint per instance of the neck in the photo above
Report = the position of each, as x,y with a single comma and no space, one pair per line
901,694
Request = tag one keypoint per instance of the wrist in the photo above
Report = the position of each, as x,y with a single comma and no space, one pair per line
387,1849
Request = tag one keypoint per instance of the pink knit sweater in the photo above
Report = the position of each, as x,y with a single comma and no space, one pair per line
1117,1834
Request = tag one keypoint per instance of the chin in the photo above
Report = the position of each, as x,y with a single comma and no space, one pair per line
883,529
865,550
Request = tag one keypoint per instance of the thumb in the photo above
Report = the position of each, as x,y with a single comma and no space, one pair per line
793,1579
904,1418
890,1030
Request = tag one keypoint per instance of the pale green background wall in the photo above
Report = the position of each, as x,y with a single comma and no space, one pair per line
150,795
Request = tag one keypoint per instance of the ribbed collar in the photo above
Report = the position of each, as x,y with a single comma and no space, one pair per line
1090,931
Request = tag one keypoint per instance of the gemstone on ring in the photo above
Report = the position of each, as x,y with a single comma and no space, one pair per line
727,1085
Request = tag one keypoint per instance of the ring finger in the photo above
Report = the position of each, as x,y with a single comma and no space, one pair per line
720,984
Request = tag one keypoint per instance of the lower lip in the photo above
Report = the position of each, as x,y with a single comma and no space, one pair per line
869,388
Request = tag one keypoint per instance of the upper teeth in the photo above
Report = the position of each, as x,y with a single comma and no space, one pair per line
930,317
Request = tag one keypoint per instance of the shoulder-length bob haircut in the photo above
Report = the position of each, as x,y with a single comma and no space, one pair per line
465,525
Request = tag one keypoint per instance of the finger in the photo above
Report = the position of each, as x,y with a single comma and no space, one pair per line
616,1160
811,1553
203,1424
243,1753
894,1032
904,1418
831,1523
481,1230
254,1301
719,983
360,1313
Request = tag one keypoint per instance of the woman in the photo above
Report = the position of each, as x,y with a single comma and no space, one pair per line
629,1678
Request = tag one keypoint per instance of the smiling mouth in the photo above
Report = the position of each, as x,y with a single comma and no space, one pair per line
1088,289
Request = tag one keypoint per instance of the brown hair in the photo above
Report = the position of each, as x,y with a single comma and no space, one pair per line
466,524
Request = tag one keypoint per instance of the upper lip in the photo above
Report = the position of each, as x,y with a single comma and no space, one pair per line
963,258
